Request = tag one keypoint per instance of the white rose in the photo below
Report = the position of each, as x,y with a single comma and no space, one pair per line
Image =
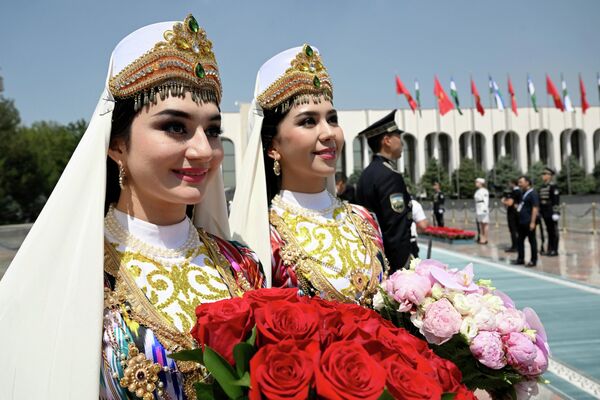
417,319
437,291
468,328
493,302
485,320
378,302
475,302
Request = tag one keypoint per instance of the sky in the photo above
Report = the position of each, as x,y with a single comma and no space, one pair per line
54,53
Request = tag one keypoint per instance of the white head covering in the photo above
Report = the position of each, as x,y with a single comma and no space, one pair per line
51,297
249,218
480,180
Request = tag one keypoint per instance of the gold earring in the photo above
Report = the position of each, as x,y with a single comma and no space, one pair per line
122,176
277,168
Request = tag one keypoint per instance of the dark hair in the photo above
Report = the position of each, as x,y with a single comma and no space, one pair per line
271,121
122,118
526,178
375,143
340,177
513,181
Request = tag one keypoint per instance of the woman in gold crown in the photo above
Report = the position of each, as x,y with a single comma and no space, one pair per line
111,286
287,210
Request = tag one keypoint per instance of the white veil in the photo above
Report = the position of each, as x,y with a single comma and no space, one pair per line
51,296
249,218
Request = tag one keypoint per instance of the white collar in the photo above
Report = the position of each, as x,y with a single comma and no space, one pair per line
167,236
311,201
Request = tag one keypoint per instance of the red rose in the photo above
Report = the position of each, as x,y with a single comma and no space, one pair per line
348,372
448,374
223,324
283,371
260,297
403,382
280,320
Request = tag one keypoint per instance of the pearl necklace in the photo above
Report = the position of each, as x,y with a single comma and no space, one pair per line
315,216
122,235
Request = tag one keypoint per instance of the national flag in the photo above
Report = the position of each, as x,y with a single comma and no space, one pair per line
598,80
444,103
401,89
495,91
475,94
531,91
454,94
513,100
584,103
566,98
551,90
418,95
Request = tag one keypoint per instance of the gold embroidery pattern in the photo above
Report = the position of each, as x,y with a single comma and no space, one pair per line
326,253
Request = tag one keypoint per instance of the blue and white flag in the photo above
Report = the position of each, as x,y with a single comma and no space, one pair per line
495,91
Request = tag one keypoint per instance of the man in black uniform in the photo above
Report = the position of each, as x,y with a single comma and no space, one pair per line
511,199
550,210
528,212
438,204
381,189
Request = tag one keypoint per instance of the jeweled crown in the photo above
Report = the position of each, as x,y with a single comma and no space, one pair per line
183,62
306,78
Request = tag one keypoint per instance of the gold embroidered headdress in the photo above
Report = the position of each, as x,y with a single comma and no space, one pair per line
183,62
305,78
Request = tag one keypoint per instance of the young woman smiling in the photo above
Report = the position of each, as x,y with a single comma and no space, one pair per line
287,209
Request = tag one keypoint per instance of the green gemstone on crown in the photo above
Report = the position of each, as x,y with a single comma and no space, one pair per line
317,82
309,51
199,71
193,24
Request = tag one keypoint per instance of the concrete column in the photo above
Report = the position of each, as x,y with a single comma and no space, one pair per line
365,152
521,149
556,156
420,156
589,151
535,146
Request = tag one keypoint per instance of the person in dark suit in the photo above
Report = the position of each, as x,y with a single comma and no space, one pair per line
511,199
528,211
343,190
550,210
382,190
438,204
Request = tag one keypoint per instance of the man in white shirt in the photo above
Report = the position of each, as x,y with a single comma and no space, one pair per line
482,210
419,224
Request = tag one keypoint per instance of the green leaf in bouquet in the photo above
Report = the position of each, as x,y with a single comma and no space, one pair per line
194,355
244,380
448,396
242,353
222,372
252,339
386,395
204,391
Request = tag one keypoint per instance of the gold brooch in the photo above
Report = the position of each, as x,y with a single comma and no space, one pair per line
140,375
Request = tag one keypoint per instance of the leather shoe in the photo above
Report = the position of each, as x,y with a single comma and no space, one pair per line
544,253
510,250
553,253
531,264
517,262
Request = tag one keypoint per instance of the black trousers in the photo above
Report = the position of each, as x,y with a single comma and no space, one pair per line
552,229
525,232
414,249
512,218
439,217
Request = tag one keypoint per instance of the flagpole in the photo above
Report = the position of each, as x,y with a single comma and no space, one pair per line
492,124
472,121
528,104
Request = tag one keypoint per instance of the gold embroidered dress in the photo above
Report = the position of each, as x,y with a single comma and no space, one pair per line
155,278
325,247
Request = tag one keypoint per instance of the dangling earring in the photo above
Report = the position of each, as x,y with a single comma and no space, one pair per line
122,176
277,168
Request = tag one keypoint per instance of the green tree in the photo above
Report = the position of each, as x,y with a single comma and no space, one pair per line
580,183
504,170
535,174
596,175
434,172
10,210
467,173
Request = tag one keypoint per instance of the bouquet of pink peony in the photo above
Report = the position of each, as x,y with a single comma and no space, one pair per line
497,347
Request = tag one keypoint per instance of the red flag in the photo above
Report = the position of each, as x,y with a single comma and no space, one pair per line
477,98
584,103
551,89
444,103
513,100
401,89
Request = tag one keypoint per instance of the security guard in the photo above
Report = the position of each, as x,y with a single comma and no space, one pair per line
550,210
382,190
438,204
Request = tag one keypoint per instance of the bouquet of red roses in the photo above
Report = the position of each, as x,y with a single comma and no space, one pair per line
274,344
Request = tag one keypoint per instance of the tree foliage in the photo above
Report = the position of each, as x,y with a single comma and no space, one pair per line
572,176
467,172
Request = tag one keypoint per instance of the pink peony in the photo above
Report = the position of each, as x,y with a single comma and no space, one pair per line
486,347
485,320
407,288
424,268
441,322
520,350
510,320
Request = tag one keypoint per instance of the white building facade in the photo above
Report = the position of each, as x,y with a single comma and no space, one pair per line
549,135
